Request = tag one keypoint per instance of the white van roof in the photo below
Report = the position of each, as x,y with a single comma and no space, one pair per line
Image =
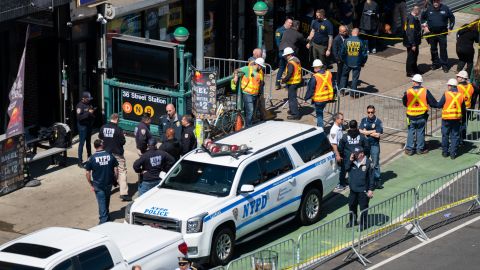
258,137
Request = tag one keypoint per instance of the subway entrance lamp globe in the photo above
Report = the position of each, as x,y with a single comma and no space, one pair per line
260,8
181,34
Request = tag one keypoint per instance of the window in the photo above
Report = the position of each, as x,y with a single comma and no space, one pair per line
275,164
201,178
251,175
32,250
313,147
66,265
96,259
14,266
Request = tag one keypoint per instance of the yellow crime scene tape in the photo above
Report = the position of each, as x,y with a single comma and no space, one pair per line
428,36
406,220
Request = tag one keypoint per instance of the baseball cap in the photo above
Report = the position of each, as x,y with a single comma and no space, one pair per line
152,141
357,150
87,95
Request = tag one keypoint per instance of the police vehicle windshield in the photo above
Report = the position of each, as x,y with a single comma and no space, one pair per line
202,178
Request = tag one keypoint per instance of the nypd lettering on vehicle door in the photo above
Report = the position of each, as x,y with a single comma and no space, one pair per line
254,206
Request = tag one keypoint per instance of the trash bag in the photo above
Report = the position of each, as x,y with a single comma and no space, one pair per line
61,136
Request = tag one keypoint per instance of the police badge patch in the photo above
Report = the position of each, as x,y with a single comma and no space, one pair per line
143,131
373,125
333,136
178,124
364,168
235,213
186,136
79,110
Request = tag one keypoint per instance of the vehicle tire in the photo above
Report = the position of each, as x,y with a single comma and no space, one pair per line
310,207
223,246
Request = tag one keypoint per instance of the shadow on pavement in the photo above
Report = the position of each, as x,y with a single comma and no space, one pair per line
388,175
41,167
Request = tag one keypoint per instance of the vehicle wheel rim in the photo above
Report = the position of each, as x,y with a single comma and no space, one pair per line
312,206
224,247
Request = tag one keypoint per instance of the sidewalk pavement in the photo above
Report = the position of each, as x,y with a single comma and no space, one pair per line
65,199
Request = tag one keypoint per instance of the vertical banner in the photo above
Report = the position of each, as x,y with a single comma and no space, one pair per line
15,109
204,94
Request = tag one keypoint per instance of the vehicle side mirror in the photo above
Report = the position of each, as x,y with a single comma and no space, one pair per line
162,175
247,188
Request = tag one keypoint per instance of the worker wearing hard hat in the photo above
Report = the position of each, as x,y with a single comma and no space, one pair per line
453,106
320,89
250,84
416,100
467,89
292,77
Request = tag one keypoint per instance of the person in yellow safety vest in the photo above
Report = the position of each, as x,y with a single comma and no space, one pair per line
468,92
416,100
250,84
453,106
260,105
320,89
292,77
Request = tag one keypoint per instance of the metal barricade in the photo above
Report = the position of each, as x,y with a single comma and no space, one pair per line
286,256
326,241
386,217
388,109
446,192
472,126
226,67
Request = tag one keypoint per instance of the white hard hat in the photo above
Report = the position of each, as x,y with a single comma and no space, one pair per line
287,51
463,74
317,63
452,82
260,61
417,78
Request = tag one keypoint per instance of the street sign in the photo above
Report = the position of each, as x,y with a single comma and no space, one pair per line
136,103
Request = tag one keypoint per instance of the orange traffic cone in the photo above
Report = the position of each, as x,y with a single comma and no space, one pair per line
238,122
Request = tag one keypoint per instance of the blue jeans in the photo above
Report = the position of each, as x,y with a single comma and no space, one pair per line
450,136
85,135
319,107
249,102
417,129
375,155
282,64
103,200
355,77
292,99
145,186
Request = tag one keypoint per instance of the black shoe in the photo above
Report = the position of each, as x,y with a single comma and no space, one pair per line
434,67
424,151
293,117
445,69
445,155
349,224
289,112
410,75
379,186
362,227
125,198
453,156
80,165
408,152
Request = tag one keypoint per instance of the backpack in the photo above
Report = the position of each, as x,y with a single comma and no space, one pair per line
61,136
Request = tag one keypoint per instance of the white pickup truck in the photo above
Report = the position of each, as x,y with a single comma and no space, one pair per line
107,246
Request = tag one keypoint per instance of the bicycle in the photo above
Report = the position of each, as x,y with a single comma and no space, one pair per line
225,120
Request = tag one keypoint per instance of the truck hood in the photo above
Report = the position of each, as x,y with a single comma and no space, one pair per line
175,204
135,242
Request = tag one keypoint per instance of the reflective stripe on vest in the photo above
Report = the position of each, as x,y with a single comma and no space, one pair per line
297,72
467,91
251,84
452,109
416,101
323,87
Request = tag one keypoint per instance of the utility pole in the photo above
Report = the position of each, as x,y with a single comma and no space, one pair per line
199,34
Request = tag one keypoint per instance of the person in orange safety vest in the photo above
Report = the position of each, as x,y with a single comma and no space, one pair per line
417,99
250,84
292,77
453,106
320,89
469,95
